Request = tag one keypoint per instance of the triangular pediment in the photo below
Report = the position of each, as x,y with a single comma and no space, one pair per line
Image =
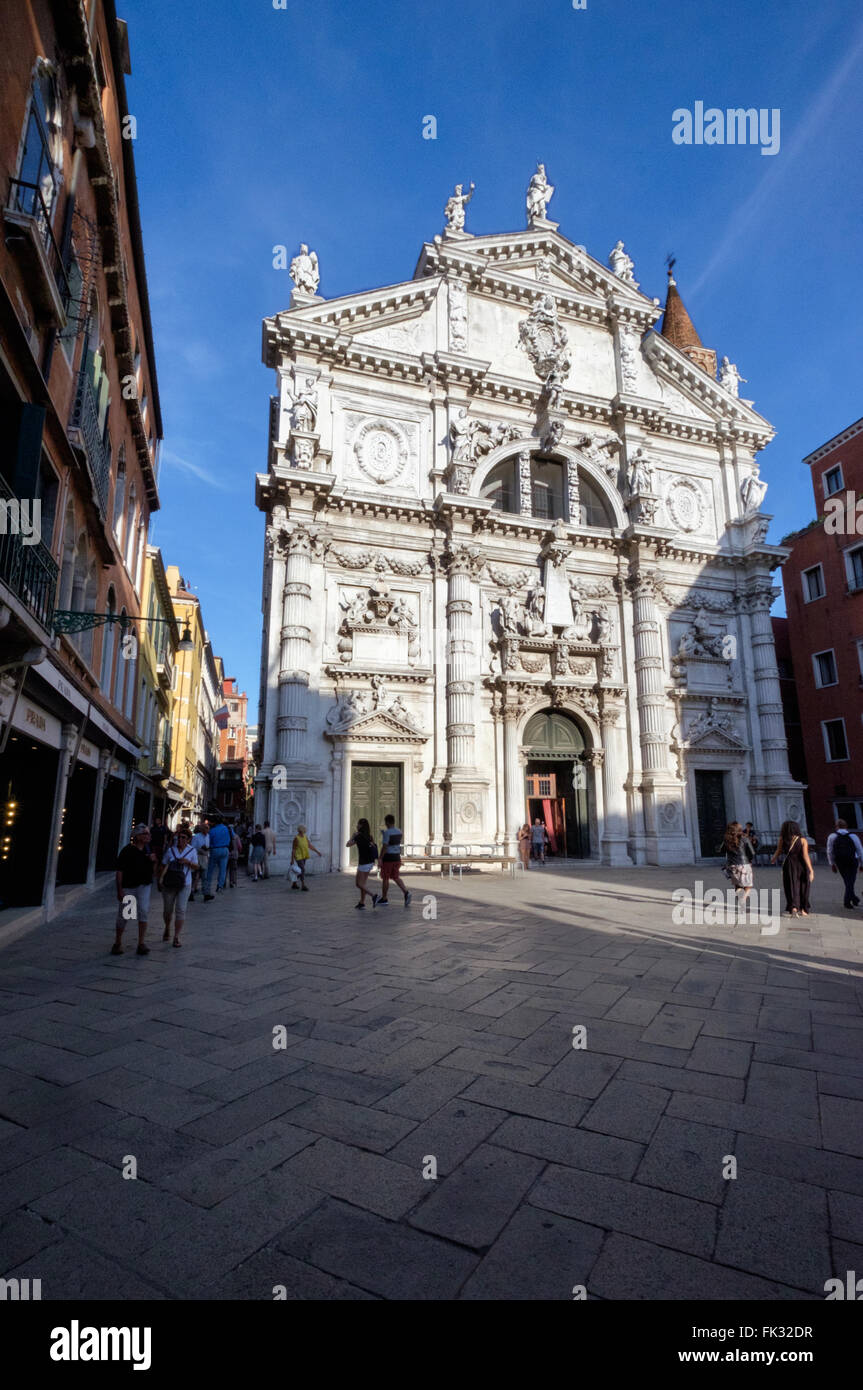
379,726
689,390
717,740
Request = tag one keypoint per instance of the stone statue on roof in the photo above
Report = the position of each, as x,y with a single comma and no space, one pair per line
454,210
539,194
304,270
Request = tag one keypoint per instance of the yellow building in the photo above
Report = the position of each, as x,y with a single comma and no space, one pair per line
194,741
157,791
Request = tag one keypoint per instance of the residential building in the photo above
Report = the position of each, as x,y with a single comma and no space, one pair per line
233,752
80,429
823,579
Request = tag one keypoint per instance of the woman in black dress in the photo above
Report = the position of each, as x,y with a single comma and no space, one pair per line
797,871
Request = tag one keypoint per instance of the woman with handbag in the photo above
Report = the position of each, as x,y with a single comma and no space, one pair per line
739,856
797,871
179,862
367,854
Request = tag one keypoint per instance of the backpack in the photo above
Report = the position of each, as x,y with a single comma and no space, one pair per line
175,875
844,852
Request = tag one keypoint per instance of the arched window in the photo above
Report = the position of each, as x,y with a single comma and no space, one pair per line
593,510
139,557
130,529
109,641
547,478
121,668
42,153
120,496
501,486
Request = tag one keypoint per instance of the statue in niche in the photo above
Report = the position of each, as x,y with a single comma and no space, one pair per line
534,618
379,686
640,474
454,210
509,615
304,406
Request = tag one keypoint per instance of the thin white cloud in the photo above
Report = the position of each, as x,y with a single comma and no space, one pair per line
751,210
195,470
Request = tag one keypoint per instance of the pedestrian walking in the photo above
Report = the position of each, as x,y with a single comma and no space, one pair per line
234,849
845,857
300,853
220,840
201,846
160,837
538,839
797,870
739,857
269,847
391,861
367,853
134,882
524,845
175,880
257,852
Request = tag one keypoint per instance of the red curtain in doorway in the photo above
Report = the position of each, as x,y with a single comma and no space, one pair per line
549,824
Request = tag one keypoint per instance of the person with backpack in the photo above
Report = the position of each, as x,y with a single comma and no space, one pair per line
391,861
845,857
179,862
220,841
367,853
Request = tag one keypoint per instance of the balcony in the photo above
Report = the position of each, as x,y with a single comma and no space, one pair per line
30,571
165,672
29,236
85,420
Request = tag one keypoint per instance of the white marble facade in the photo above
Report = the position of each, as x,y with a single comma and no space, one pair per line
495,490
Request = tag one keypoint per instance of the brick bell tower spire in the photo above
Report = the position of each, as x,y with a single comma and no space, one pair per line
679,329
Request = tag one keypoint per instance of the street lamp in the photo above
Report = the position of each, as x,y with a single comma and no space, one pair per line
71,620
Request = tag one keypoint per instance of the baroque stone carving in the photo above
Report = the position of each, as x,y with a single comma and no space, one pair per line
729,377
685,505
472,440
381,450
640,474
455,206
545,341
698,640
506,580
712,718
353,705
752,491
629,354
622,265
377,610
303,406
304,270
539,194
351,559
602,452
457,304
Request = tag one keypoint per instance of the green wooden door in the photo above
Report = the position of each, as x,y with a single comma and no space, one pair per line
376,791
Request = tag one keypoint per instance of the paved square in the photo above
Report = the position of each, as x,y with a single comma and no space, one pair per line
394,1104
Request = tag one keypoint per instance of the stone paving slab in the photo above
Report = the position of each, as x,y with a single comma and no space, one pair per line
306,1166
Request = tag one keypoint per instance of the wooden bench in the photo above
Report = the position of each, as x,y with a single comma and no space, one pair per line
462,858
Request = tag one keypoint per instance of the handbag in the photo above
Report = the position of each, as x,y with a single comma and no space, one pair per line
174,878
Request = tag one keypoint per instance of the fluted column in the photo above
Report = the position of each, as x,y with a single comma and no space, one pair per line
295,654
513,778
768,691
615,828
648,673
463,566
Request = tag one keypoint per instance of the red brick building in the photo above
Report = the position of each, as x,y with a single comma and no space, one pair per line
80,428
823,580
233,752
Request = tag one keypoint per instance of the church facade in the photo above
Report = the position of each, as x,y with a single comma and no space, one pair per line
516,563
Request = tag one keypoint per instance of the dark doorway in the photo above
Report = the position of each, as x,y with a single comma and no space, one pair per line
109,826
376,791
710,803
77,820
556,784
28,773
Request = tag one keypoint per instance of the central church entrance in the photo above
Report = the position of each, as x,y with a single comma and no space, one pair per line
376,791
556,788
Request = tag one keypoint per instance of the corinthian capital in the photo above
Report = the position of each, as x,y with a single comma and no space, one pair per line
464,559
643,584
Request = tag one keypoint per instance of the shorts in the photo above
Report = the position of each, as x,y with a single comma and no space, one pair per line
257,854
365,868
390,869
741,875
142,904
174,901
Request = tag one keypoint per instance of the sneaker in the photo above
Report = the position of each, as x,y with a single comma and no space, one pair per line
208,897
116,950
374,899
408,897
305,888
361,907
382,902
142,951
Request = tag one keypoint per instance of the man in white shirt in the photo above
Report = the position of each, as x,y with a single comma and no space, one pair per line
201,846
845,857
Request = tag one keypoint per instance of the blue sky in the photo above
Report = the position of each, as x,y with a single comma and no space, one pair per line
259,127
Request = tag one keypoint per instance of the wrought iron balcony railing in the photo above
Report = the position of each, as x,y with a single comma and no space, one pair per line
85,419
26,200
30,571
